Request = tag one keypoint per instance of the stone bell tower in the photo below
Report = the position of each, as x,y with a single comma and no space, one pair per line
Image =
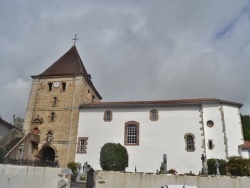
53,107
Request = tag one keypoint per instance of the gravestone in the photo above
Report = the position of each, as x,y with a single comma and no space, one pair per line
164,164
21,149
78,171
90,178
85,169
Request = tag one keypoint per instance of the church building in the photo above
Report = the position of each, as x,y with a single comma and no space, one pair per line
66,111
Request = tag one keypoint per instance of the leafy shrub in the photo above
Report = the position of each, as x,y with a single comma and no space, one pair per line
2,151
172,171
73,166
212,168
238,166
113,157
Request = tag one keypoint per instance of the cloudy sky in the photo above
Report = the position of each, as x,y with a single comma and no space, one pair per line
134,50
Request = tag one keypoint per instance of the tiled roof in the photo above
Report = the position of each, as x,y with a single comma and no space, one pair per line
245,145
159,102
5,123
69,64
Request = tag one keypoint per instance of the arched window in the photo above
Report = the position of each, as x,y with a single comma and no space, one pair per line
131,133
64,86
107,115
189,142
50,86
82,145
153,116
49,136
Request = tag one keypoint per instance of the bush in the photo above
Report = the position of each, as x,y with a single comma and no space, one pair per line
73,166
238,166
212,168
113,157
2,151
172,171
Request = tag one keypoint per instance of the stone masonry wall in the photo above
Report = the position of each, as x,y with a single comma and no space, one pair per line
64,124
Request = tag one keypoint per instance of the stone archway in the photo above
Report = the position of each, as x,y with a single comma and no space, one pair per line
47,153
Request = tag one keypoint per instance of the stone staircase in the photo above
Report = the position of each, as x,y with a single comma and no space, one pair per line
9,146
15,139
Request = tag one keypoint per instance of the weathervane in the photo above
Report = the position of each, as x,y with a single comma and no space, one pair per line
75,39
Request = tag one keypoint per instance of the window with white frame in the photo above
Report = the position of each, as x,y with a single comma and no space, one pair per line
82,144
153,116
131,133
107,116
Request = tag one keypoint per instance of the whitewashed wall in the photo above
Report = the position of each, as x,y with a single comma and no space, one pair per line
12,176
233,129
212,112
142,180
165,136
245,153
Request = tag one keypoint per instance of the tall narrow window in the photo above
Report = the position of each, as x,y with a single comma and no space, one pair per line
189,142
107,115
82,145
55,101
50,86
131,133
49,136
64,86
153,115
93,98
210,144
52,117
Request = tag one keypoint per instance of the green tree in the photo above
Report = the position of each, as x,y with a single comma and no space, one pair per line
73,166
238,166
245,119
113,157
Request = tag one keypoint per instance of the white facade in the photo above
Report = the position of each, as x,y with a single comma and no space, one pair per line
166,135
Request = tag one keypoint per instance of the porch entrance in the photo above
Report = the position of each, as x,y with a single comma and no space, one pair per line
47,153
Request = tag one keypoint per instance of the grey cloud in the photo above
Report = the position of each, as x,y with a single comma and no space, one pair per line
143,50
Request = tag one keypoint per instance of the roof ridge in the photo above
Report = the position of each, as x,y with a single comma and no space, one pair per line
163,102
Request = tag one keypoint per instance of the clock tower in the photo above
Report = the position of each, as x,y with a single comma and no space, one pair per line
53,107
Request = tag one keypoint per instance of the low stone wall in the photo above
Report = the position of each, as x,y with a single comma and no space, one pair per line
142,180
12,176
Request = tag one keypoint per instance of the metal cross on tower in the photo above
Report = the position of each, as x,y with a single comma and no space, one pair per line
75,39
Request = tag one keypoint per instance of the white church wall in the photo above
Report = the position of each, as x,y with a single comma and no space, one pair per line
233,129
211,112
155,137
245,153
12,176
142,180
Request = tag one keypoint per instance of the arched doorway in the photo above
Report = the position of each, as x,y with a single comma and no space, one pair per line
47,153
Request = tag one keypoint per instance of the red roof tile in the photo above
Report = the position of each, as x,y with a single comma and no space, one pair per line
245,145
